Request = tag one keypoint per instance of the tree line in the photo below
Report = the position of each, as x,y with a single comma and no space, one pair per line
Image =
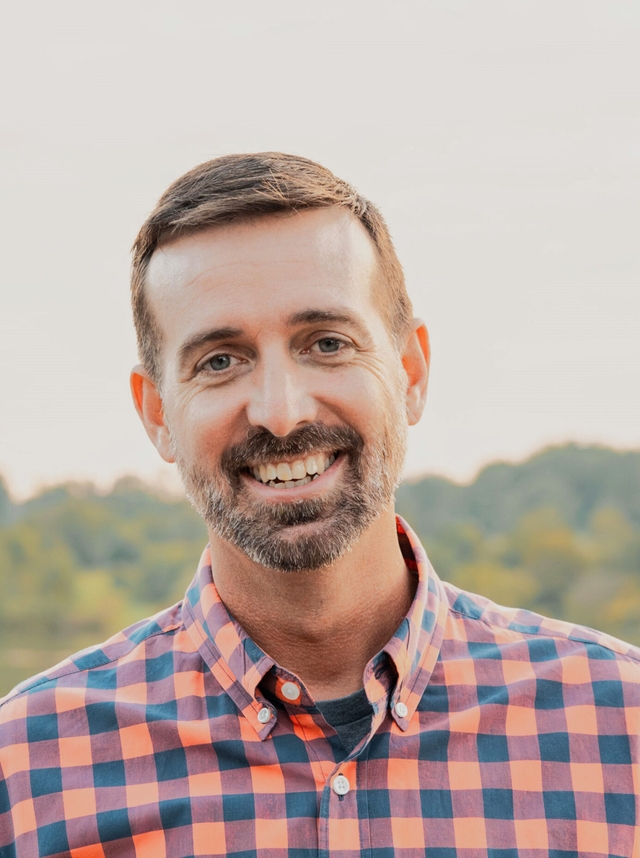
559,534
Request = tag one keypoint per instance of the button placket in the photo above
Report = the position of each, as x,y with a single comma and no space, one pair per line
343,780
339,802
340,785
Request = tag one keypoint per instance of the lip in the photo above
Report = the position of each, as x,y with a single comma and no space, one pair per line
325,481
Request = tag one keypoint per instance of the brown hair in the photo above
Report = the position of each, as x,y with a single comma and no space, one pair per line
237,188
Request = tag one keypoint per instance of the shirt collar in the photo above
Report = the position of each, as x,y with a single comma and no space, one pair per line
239,664
415,647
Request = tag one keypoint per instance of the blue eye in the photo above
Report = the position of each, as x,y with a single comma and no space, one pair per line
219,362
329,344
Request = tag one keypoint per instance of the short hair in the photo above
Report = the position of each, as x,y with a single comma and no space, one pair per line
238,188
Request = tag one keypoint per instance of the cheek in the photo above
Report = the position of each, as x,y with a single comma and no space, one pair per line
381,383
363,389
207,423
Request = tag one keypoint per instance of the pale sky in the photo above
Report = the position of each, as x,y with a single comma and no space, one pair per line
500,139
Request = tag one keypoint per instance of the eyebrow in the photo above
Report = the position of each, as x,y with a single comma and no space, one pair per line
316,316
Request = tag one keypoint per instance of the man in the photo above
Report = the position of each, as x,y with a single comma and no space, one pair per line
319,691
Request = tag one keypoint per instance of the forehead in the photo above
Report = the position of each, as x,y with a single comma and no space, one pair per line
262,270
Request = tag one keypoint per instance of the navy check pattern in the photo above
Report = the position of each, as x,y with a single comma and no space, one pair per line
496,733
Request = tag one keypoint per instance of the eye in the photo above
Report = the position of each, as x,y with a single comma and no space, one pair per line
217,363
330,346
327,345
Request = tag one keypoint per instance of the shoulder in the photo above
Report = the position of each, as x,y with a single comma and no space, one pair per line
71,683
485,624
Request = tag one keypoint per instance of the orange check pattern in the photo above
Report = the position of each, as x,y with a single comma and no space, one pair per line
496,734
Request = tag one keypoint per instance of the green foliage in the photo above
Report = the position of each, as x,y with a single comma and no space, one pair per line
576,481
36,581
559,534
77,566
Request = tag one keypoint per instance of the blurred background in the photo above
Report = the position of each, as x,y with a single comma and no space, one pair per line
501,141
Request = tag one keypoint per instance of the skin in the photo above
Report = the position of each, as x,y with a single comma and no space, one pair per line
283,370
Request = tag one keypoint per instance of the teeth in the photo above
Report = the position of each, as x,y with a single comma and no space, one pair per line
284,472
271,473
298,473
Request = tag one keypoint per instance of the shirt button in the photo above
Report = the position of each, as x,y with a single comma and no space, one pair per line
264,715
401,710
290,690
340,785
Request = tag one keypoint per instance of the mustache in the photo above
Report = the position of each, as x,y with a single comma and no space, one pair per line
261,446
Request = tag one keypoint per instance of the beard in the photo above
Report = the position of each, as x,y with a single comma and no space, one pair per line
303,534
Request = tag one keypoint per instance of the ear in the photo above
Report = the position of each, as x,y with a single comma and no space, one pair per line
415,360
148,403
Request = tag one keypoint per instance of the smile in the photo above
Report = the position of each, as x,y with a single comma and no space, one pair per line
287,475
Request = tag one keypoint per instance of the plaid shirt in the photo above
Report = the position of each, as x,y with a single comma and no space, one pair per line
495,733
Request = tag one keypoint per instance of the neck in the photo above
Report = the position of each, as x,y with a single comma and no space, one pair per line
323,625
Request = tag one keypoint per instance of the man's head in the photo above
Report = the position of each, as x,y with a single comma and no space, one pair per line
285,392
238,188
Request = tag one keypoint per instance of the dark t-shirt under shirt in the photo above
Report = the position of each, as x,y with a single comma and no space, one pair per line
349,716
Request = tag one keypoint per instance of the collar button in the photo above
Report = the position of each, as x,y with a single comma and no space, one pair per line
264,715
290,690
400,709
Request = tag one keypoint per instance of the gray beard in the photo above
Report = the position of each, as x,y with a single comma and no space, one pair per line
275,535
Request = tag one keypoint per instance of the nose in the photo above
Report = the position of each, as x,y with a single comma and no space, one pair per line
281,400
